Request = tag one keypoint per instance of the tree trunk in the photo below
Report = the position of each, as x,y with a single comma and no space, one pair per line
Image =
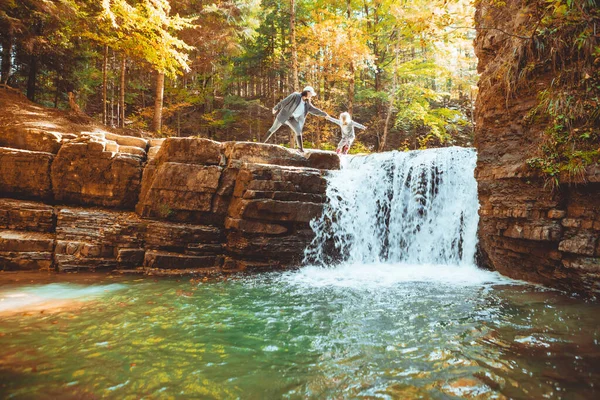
6,59
57,91
350,67
386,127
158,103
122,94
104,85
295,81
32,77
392,96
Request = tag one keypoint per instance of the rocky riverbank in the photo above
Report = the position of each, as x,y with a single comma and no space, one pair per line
527,230
97,200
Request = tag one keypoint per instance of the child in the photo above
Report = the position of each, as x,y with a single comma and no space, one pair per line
345,122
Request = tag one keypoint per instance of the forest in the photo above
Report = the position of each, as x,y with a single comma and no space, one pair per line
214,69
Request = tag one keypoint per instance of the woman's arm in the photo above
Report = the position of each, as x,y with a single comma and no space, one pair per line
284,101
315,111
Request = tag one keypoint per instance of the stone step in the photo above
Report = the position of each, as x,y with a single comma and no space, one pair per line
168,260
18,241
25,250
21,215
127,140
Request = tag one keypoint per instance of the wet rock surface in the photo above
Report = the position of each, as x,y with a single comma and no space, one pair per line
526,230
101,201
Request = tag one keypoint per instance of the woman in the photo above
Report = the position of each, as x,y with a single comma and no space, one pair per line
292,111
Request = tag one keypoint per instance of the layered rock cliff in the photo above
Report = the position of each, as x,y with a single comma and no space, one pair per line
104,201
527,230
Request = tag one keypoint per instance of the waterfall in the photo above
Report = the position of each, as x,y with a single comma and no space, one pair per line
416,207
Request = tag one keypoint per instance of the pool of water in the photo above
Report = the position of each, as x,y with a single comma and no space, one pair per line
357,331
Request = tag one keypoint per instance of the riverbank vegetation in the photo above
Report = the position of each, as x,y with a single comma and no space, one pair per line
215,69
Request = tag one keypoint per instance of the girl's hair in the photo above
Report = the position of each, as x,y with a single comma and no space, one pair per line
304,93
345,116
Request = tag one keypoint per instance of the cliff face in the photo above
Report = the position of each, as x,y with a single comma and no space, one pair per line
527,230
100,200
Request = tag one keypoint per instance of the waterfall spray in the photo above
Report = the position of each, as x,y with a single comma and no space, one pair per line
417,207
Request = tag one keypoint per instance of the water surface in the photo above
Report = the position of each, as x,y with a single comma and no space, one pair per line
375,331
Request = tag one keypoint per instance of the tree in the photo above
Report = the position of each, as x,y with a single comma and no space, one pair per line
144,31
295,82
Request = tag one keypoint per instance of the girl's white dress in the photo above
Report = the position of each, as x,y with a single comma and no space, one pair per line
348,135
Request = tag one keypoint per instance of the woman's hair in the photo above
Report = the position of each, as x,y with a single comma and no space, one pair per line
305,93
345,118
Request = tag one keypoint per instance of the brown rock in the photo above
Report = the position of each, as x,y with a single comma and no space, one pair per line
584,264
136,151
127,141
187,178
321,159
199,249
516,204
556,214
571,223
130,258
279,179
25,250
593,173
32,139
261,153
165,260
25,174
20,261
152,152
92,238
179,191
191,151
156,142
255,226
232,264
26,216
15,241
288,250
275,210
284,196
582,243
178,237
84,174
535,231
68,263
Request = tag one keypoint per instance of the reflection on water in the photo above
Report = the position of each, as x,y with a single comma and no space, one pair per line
305,334
50,297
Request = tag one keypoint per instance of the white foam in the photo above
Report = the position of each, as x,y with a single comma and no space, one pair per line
368,276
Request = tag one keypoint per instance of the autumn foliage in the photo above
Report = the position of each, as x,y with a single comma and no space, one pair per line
404,69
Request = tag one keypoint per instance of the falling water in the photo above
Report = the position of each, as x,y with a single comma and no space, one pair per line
417,207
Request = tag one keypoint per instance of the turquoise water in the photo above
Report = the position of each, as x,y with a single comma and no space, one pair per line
380,331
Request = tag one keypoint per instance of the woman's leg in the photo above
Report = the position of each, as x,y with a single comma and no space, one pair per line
276,125
295,125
